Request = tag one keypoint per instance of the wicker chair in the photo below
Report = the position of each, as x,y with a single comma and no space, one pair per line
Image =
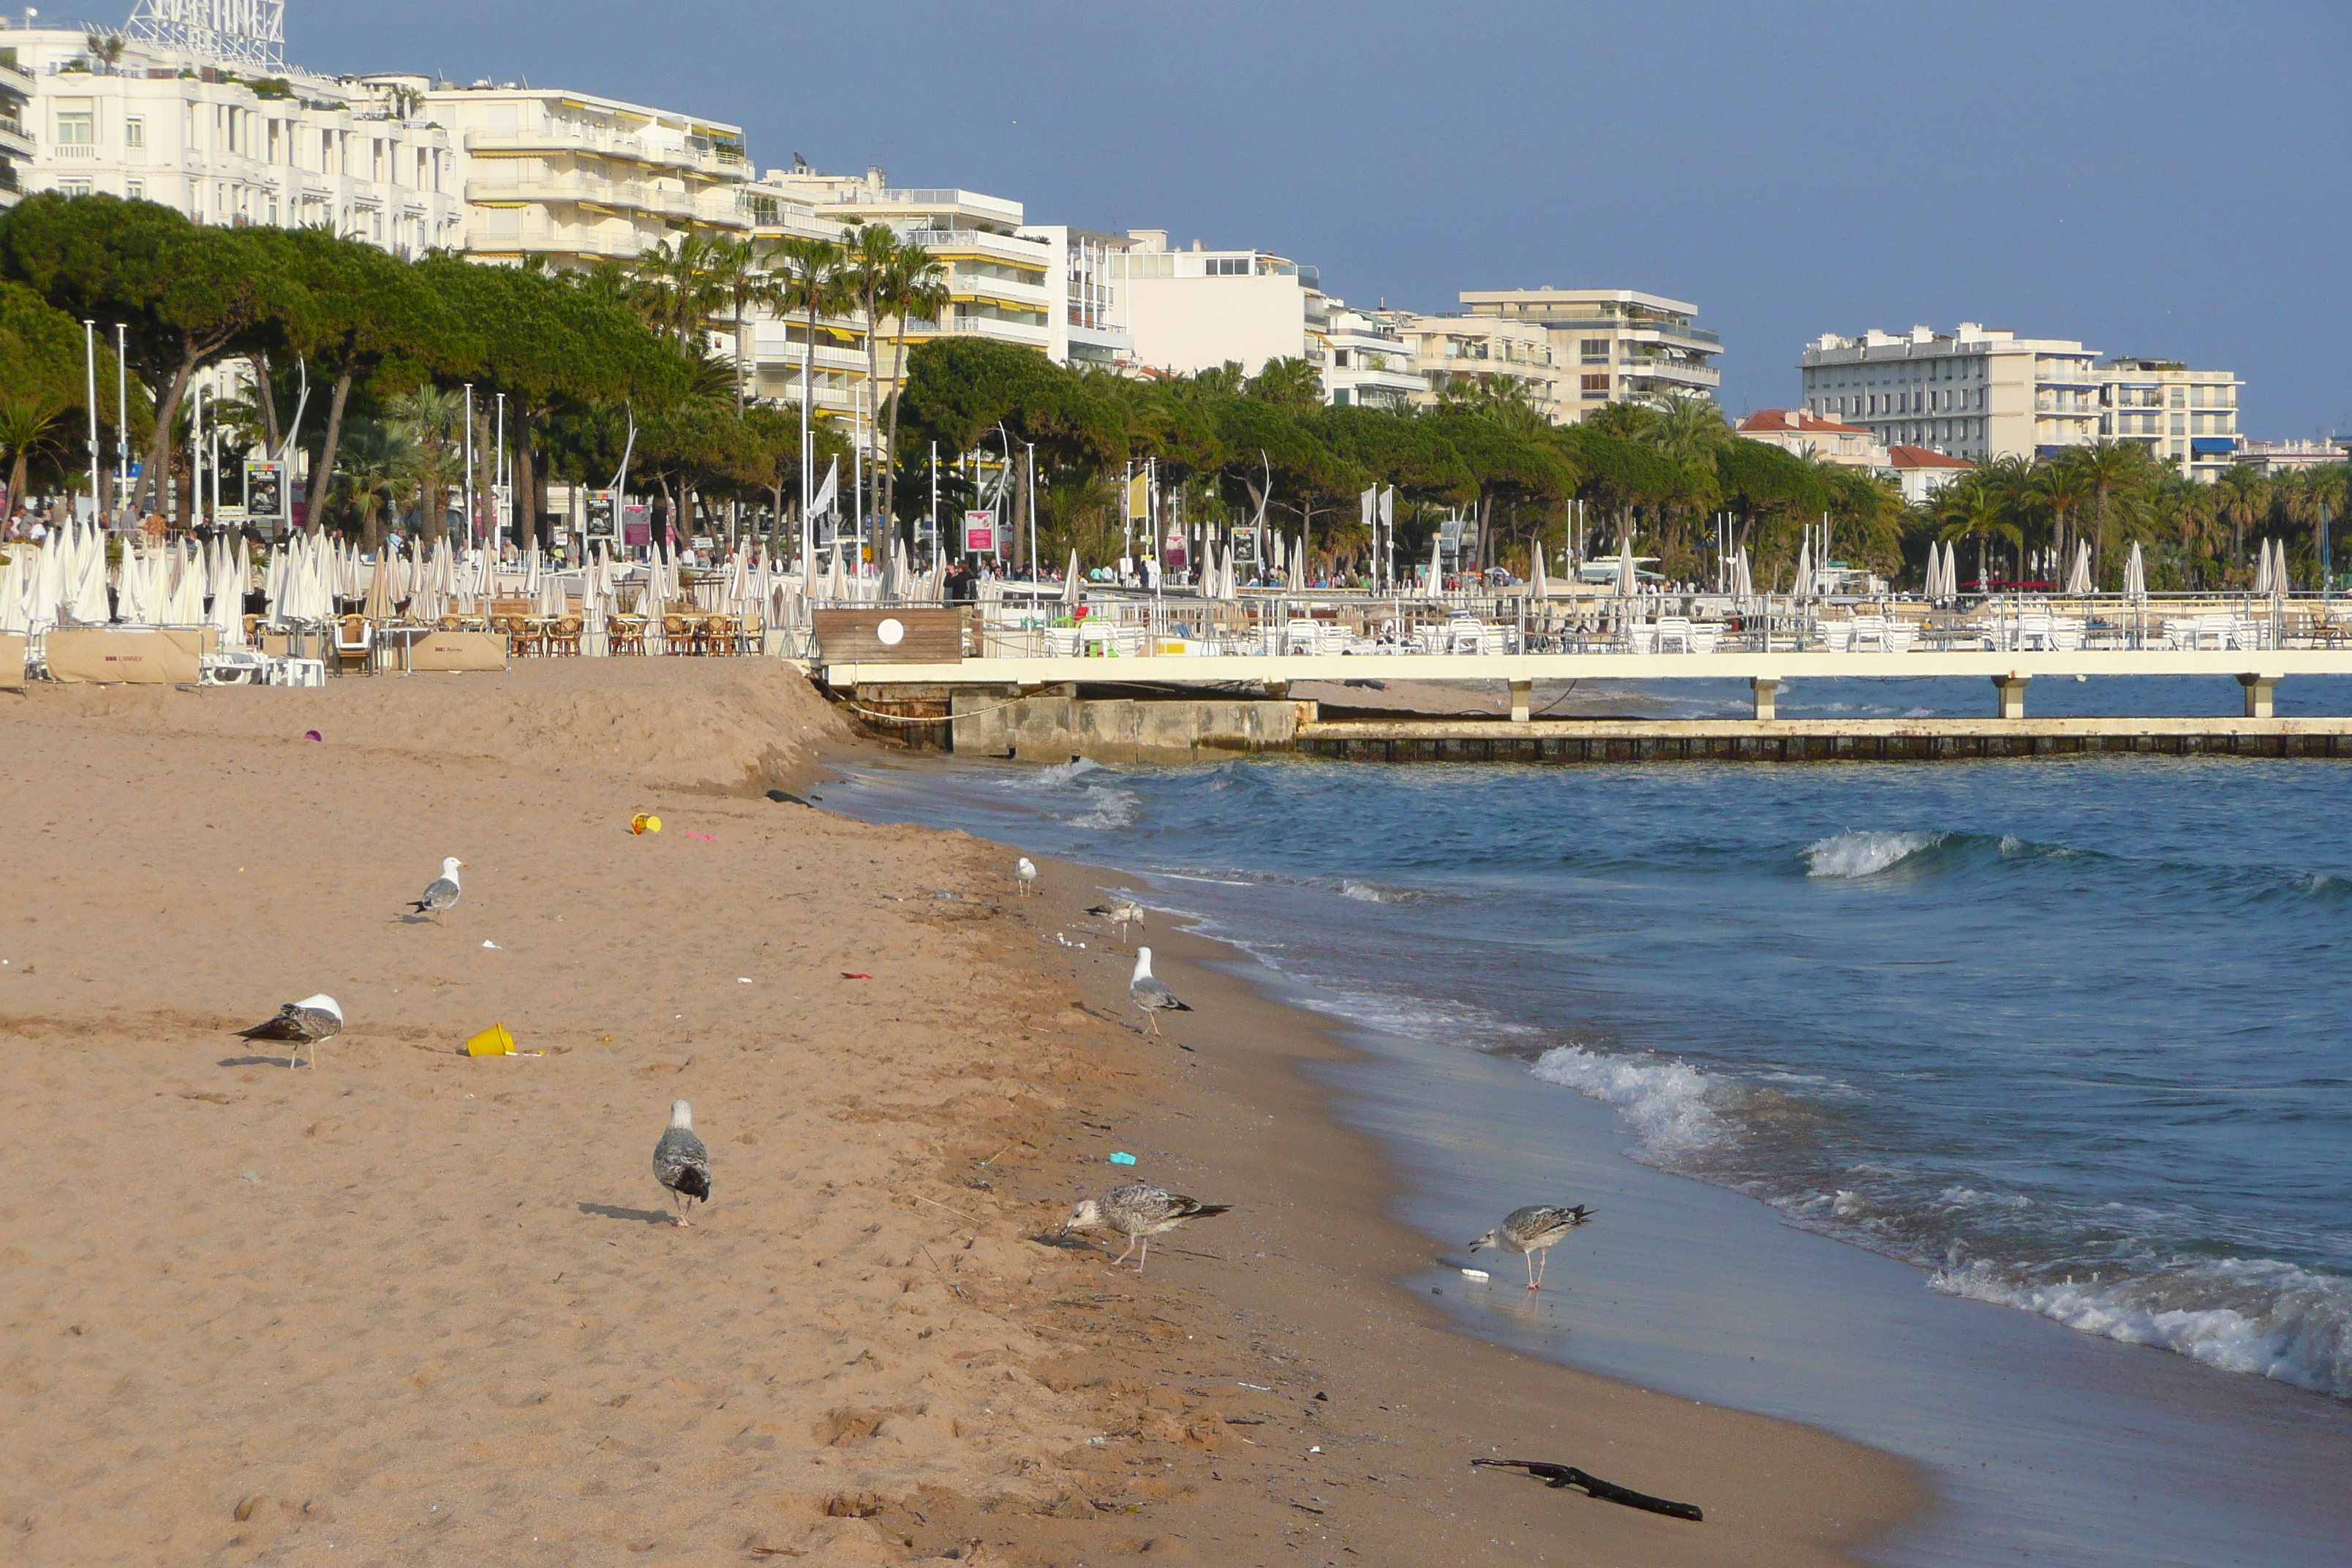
626,634
682,635
564,637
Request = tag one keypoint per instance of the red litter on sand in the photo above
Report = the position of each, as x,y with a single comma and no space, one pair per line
312,735
847,974
690,833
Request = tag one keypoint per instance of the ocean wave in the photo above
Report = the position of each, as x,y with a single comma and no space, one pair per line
1373,893
1108,808
2254,1315
1666,1102
1061,774
1864,853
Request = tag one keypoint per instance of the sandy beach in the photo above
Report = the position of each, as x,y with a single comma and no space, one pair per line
416,1308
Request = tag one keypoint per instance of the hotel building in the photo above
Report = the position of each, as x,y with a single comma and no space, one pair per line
2188,418
1190,310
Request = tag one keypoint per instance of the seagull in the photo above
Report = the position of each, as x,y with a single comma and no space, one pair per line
1121,912
1532,1230
306,1023
1026,871
1138,1211
443,892
1149,994
680,1162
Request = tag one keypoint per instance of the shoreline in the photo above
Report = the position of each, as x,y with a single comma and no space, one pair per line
412,1306
2032,1437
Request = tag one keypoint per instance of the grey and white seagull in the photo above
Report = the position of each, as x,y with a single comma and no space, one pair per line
1121,912
1533,1231
680,1162
1024,871
1138,1211
443,892
304,1022
1149,993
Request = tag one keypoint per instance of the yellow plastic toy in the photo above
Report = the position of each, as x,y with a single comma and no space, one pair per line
493,1041
643,824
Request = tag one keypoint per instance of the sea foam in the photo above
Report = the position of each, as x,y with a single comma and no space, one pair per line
1664,1101
1864,853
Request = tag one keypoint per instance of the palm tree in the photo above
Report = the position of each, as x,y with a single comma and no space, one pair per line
431,422
1971,507
1690,427
369,470
813,280
2112,471
28,425
918,289
888,278
2243,496
2060,488
681,284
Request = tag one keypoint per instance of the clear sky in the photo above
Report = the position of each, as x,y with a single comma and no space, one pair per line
2151,176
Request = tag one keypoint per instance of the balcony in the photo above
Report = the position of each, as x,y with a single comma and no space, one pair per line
1028,334
717,209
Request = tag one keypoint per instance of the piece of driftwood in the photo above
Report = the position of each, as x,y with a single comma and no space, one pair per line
1594,1485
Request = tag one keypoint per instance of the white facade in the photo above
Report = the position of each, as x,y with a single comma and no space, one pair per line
1613,345
1978,392
1086,329
1371,363
1923,473
2271,457
1190,311
16,133
579,178
291,150
2183,417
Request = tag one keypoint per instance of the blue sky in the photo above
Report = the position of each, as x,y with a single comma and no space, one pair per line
2153,177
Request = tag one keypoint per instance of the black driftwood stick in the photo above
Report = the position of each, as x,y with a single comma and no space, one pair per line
1607,1491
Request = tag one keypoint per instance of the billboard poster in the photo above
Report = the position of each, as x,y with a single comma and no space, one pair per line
265,492
979,531
637,526
604,518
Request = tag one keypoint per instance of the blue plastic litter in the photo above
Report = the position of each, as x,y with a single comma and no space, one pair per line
1122,1159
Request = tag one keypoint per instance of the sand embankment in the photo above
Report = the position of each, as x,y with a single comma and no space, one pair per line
414,1308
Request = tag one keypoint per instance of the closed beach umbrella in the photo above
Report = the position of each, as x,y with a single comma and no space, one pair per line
1743,584
1437,571
1803,587
2136,575
1538,580
1629,578
2078,581
1070,581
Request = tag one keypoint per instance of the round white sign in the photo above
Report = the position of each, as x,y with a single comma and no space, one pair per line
892,631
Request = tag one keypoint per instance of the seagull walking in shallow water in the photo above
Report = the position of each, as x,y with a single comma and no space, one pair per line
304,1022
1138,1211
1149,993
1533,1231
680,1162
443,892
1024,871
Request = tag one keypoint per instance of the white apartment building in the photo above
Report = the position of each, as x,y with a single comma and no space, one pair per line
1978,392
15,133
1085,330
1809,435
1620,345
2188,418
1370,364
1190,310
1923,472
1461,351
165,123
579,178
776,347
2270,458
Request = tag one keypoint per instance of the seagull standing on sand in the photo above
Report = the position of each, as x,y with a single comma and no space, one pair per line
1149,994
1138,1211
305,1023
1532,1231
1121,912
1025,869
442,893
680,1162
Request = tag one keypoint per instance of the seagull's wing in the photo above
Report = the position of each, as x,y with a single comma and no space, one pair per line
1149,991
682,1164
439,894
287,1025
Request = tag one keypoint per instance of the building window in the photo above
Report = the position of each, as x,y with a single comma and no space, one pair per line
76,128
1594,350
1596,386
136,190
2180,421
135,132
73,187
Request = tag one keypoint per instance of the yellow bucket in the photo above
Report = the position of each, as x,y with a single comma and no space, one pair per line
643,824
493,1041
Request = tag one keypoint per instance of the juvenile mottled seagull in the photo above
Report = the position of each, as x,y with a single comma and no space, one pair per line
305,1023
680,1162
1121,912
1149,994
443,892
1138,1211
1026,871
1532,1231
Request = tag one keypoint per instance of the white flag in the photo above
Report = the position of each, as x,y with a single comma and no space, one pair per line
828,493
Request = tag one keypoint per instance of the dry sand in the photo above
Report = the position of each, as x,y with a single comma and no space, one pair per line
412,1308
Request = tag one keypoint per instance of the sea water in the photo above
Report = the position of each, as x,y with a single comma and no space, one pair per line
2067,1036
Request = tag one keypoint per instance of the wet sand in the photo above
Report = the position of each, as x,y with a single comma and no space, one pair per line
417,1307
